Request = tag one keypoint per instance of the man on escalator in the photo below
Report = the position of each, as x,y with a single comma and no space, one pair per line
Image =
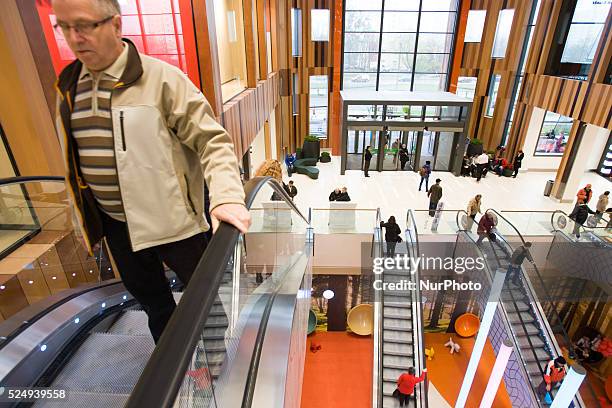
516,260
406,384
140,141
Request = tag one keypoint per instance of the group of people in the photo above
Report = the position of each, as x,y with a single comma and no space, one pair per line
339,194
479,165
581,211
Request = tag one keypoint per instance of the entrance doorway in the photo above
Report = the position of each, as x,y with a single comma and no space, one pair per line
422,146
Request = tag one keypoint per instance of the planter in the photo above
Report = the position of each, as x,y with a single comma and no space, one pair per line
325,159
298,154
508,172
311,149
474,149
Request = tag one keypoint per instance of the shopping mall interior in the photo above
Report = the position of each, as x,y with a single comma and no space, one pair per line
370,137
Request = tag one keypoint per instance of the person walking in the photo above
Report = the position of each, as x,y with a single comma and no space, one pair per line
406,385
291,189
579,216
424,172
366,163
473,209
602,204
482,161
392,235
403,156
139,143
434,194
585,194
516,260
554,373
518,160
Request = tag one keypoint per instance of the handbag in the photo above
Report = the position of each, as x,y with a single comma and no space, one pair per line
396,393
399,239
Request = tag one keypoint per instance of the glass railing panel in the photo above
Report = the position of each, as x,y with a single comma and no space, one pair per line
350,220
261,258
434,222
41,252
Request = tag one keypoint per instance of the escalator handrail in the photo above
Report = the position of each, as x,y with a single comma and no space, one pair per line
582,228
164,373
419,306
28,179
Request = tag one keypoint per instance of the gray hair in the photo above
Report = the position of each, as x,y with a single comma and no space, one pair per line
109,7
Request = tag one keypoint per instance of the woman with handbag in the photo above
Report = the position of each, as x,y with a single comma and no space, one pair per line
392,235
405,385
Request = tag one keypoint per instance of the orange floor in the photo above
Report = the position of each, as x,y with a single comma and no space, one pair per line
340,374
446,371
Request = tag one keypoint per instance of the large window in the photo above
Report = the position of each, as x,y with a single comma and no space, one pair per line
405,46
466,87
229,21
553,135
493,88
516,91
318,106
585,30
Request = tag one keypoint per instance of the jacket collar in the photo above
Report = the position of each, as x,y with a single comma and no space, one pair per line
133,71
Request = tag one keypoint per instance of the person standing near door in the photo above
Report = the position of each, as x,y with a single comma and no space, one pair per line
434,194
518,160
403,156
367,158
424,172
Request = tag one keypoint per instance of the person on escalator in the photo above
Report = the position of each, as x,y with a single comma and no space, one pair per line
406,384
579,216
392,235
554,373
516,260
486,229
140,141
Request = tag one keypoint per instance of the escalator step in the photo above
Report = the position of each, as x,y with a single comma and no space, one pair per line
402,312
397,324
401,362
397,337
398,349
525,317
542,356
390,402
106,363
397,303
536,341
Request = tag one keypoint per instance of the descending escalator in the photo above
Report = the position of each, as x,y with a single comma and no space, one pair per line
94,341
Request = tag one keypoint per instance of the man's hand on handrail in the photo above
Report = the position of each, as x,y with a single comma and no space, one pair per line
234,214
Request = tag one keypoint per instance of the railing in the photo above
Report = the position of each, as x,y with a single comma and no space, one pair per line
561,222
418,331
377,250
175,349
441,222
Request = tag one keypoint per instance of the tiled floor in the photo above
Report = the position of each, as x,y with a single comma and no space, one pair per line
395,192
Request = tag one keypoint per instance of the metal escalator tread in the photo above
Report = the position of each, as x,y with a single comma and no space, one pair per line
106,363
85,399
390,402
542,356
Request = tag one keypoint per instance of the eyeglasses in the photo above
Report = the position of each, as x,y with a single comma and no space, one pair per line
84,28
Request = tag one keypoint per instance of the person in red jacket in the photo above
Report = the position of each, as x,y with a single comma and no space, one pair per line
584,194
486,229
406,383
554,373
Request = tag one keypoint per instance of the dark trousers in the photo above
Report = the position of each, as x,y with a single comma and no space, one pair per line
142,271
432,208
480,171
391,249
516,170
426,179
404,399
366,167
514,274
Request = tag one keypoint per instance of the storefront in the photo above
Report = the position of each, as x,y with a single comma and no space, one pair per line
431,126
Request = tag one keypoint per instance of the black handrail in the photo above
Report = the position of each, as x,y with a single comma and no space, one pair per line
27,179
164,373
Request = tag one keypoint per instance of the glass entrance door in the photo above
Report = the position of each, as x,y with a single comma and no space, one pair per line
357,141
409,141
391,158
428,144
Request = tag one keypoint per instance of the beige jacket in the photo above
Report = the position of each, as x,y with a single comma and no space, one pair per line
602,203
473,207
172,145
